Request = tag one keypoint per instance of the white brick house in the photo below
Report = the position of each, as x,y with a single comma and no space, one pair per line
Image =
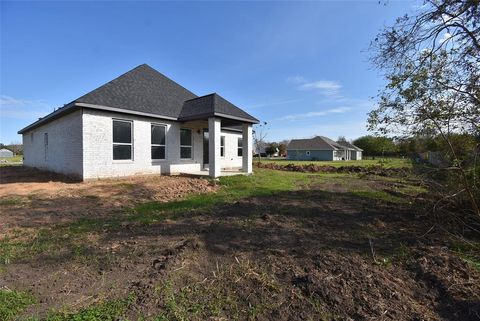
141,123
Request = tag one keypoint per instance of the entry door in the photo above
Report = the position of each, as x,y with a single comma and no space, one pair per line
205,148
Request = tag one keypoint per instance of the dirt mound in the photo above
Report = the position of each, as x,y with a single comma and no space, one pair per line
313,168
353,288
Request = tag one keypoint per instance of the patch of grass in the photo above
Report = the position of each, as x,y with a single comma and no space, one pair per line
104,311
218,296
384,162
378,195
9,201
233,188
469,252
14,159
12,303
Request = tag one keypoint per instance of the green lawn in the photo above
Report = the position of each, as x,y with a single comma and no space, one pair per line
7,160
386,162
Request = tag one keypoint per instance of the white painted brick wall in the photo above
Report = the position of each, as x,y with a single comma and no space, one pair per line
64,151
98,147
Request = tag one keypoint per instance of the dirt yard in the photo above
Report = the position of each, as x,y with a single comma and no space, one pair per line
274,246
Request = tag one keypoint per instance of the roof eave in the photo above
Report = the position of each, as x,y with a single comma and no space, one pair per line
54,115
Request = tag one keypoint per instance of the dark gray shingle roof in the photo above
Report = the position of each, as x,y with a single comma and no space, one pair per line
211,105
145,90
141,89
315,143
350,146
319,143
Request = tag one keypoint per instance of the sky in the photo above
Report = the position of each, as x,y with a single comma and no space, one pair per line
302,67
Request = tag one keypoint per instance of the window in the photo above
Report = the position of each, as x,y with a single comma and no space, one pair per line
185,143
122,140
240,146
45,139
222,146
158,141
31,137
308,153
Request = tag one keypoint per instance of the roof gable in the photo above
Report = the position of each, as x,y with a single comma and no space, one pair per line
141,89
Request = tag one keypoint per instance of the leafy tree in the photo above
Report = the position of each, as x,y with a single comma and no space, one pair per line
432,66
376,146
282,148
272,148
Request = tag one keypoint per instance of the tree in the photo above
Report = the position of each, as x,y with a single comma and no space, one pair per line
16,148
432,66
282,148
376,146
272,149
259,134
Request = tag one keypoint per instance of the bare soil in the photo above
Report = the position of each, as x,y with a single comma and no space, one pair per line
40,198
319,253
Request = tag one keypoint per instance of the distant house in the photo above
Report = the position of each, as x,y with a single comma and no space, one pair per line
141,123
323,149
6,153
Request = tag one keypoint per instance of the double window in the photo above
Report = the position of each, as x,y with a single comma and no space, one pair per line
158,133
240,146
185,143
122,140
222,146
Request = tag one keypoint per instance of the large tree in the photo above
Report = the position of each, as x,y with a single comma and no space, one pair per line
432,64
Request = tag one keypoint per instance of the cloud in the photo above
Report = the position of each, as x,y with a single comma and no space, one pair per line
274,103
328,88
17,108
337,110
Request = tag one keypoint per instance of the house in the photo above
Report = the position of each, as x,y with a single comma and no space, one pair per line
141,123
323,149
6,153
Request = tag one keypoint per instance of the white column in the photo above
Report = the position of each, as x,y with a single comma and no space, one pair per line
214,146
247,156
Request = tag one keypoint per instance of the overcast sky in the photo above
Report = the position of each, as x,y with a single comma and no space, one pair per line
301,66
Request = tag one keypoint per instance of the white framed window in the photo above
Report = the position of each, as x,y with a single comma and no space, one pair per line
186,143
158,138
222,146
307,153
122,139
240,146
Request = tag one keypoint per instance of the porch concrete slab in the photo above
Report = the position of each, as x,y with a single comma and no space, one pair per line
205,172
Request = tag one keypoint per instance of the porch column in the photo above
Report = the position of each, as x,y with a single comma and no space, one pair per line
247,149
214,146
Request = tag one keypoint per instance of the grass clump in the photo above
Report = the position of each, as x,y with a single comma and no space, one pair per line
12,303
221,294
105,311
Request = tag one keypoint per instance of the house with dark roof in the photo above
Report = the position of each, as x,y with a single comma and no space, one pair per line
141,123
322,148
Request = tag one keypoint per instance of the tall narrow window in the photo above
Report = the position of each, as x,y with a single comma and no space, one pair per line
185,143
31,137
122,140
240,146
158,141
222,146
